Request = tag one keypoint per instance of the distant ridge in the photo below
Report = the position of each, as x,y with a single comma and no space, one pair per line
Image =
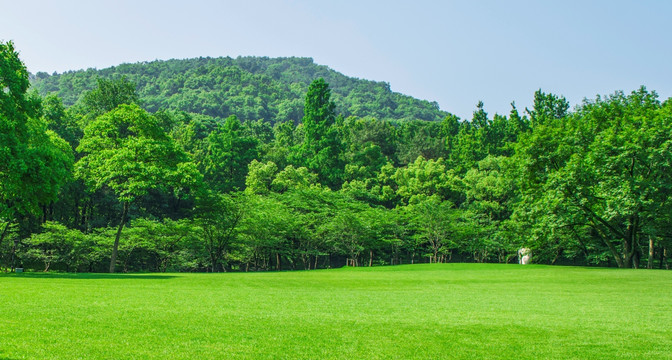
251,88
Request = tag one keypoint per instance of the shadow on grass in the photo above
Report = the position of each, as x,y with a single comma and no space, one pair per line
88,276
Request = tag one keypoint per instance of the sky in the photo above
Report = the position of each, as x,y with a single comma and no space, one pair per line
453,52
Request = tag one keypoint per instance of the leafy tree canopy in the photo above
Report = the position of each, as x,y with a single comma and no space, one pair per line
250,88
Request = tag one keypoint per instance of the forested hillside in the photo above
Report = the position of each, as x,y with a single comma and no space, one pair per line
205,167
251,88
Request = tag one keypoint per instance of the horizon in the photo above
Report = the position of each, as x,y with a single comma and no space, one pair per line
450,53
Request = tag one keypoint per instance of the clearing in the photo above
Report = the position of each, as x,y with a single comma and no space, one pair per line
457,311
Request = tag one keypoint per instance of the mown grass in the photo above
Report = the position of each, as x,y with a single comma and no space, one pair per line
457,311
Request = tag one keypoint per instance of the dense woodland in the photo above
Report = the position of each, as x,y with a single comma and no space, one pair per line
251,88
255,164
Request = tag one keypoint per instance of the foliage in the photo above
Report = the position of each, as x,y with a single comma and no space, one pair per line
34,162
604,170
251,88
126,151
256,164
108,95
436,224
228,153
322,148
218,219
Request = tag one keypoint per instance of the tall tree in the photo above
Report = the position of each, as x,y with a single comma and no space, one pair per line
16,107
547,106
34,162
60,121
607,167
322,148
128,152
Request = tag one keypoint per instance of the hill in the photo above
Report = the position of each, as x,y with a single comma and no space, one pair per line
251,88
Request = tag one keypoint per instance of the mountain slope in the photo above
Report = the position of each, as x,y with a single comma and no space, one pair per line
249,87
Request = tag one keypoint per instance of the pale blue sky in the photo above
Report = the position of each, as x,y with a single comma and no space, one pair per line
455,53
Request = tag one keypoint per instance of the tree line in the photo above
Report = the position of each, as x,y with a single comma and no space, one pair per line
106,185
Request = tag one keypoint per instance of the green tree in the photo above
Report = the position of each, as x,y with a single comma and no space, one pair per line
259,177
126,151
346,232
364,133
427,178
108,95
169,243
547,106
291,178
60,121
16,107
34,161
58,244
229,151
322,149
489,195
437,225
419,138
268,229
310,208
285,139
604,168
219,217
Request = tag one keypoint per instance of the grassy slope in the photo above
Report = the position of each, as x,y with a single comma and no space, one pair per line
418,311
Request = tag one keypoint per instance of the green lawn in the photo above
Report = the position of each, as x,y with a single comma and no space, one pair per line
458,311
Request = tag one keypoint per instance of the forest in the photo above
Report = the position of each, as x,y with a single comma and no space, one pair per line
258,164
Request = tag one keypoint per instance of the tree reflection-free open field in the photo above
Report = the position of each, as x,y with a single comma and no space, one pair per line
403,312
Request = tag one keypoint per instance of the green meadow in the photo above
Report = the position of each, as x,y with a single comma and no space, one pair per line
456,311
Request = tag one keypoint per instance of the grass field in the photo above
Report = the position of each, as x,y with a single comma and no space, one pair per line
457,311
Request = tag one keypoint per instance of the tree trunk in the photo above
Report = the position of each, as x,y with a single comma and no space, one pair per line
13,257
277,261
213,260
115,248
650,264
620,259
370,258
557,256
631,245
